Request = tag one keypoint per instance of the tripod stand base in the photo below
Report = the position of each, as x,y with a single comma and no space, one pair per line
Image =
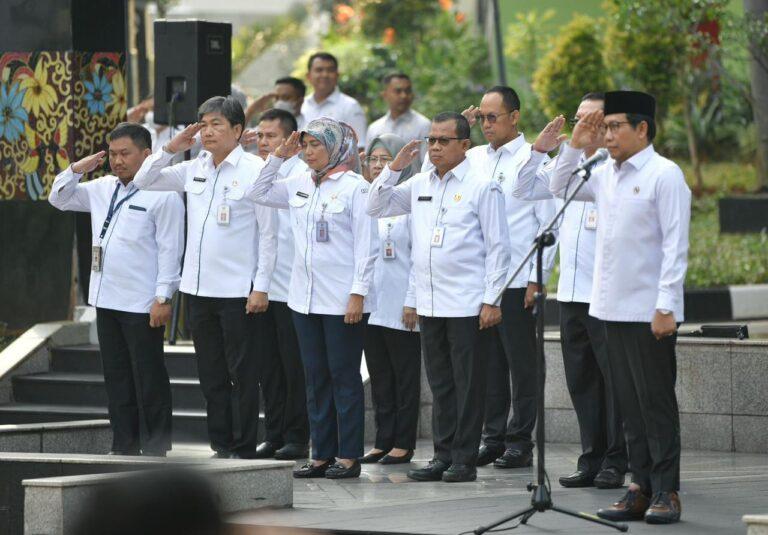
541,502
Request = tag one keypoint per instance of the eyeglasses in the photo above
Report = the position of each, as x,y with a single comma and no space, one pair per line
380,160
491,117
573,121
614,126
443,141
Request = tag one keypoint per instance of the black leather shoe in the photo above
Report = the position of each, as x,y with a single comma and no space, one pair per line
266,450
397,459
609,478
339,471
514,458
631,506
310,470
432,472
236,455
577,479
291,452
221,455
370,458
665,508
460,473
488,454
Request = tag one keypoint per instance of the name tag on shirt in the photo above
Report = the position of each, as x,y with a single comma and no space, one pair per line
437,237
96,258
426,198
388,250
134,207
198,179
590,223
302,194
223,215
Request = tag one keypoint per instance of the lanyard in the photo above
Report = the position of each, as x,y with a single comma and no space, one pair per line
114,208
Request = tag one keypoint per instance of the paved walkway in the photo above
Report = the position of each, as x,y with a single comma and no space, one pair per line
717,489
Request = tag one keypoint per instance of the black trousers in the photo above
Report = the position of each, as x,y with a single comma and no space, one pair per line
228,365
588,375
138,389
393,358
644,371
513,353
454,352
282,383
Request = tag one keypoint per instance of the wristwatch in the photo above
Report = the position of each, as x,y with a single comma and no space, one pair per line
664,311
161,300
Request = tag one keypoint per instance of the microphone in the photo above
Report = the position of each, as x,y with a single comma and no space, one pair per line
586,168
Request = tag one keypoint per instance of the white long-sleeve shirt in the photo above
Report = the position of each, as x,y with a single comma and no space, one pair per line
325,273
141,250
394,280
578,229
642,237
525,218
341,107
220,260
281,278
469,266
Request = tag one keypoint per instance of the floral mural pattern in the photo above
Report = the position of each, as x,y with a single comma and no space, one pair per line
55,107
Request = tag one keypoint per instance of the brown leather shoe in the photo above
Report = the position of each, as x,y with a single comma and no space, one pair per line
665,509
631,506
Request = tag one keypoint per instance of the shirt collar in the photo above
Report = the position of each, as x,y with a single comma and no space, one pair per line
511,146
333,97
232,158
404,117
459,172
130,187
638,160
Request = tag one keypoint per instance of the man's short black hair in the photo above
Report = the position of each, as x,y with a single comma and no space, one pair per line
391,76
138,134
228,106
295,83
636,118
287,120
325,56
462,125
594,95
508,96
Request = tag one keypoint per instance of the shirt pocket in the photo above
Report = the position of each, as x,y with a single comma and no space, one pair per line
298,209
195,188
335,214
135,223
457,216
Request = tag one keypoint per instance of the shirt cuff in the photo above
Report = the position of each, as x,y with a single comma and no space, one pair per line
665,301
75,174
164,290
393,176
261,284
490,297
410,301
274,161
359,288
537,156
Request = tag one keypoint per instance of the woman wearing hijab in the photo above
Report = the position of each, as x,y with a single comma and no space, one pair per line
392,345
331,285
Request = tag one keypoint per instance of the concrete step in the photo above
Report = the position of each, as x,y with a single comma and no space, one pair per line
180,360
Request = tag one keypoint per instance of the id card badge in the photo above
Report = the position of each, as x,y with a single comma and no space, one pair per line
97,258
223,214
590,223
321,231
389,250
437,237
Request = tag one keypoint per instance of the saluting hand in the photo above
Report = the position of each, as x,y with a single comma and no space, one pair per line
587,131
289,147
550,138
489,316
89,163
184,140
471,114
249,137
406,155
257,302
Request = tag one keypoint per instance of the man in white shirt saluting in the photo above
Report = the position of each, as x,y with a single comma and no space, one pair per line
138,239
460,259
640,264
228,264
327,100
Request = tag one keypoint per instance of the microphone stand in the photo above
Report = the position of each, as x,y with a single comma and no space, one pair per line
541,499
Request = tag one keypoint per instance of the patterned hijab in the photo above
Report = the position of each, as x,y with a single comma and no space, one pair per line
341,143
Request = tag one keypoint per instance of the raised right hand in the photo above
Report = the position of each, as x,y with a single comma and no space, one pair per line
550,138
89,163
406,155
471,114
184,140
289,147
587,131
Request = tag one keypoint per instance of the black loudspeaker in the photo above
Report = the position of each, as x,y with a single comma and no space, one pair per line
193,62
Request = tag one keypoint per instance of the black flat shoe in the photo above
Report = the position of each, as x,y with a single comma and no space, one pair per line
432,472
610,478
310,470
397,459
266,450
339,471
514,458
221,455
292,452
370,458
577,479
488,454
